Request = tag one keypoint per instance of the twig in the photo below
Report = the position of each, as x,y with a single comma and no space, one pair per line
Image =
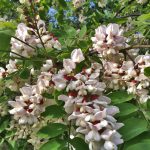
135,46
130,57
130,15
4,51
36,27
23,42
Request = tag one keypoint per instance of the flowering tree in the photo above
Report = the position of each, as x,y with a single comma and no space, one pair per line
75,75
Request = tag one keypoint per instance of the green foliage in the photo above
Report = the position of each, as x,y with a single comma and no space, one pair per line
5,36
79,143
147,71
140,146
52,130
126,109
4,123
75,34
133,127
54,145
24,73
82,32
118,97
54,111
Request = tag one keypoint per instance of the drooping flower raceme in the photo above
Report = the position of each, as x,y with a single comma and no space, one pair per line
28,107
86,105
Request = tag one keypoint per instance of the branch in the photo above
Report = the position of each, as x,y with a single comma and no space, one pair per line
23,42
130,15
36,27
4,51
135,46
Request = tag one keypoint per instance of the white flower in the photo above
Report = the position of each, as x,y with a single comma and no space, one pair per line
93,135
77,56
48,65
68,65
141,1
11,67
108,145
102,3
2,72
28,107
78,3
60,82
108,39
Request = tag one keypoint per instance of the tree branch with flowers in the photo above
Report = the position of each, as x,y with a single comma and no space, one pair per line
75,75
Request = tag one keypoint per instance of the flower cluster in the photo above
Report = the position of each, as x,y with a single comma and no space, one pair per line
81,85
108,40
121,72
86,105
137,82
28,107
28,1
130,76
25,34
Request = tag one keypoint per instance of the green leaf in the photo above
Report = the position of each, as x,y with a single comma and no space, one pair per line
3,123
140,146
83,31
52,130
132,128
63,56
147,71
144,137
62,3
126,109
7,25
79,144
144,17
54,111
47,95
120,96
71,31
5,37
25,73
3,99
54,145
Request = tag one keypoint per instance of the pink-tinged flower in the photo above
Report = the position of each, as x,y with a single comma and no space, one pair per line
78,3
86,105
93,135
27,107
59,80
100,34
68,65
77,56
108,40
112,29
47,66
2,73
